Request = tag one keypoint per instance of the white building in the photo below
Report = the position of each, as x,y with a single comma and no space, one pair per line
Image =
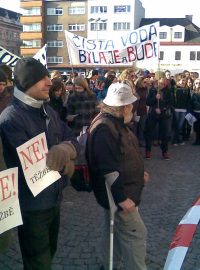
179,45
112,18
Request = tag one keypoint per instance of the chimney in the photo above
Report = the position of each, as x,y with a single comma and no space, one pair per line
189,17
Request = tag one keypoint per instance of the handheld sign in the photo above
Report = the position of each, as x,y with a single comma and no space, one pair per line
10,214
32,155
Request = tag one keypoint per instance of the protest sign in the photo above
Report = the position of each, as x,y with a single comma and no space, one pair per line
11,59
140,44
41,55
32,155
10,214
7,57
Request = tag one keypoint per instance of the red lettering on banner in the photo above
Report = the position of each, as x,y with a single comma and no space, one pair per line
102,57
148,50
131,54
5,193
37,154
116,56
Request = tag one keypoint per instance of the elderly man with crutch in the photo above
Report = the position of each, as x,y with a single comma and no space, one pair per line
117,171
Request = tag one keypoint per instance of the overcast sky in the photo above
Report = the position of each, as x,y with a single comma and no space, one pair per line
154,8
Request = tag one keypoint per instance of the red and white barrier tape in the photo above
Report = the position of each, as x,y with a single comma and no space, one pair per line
183,237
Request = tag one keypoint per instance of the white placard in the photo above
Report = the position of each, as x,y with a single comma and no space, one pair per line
32,155
10,214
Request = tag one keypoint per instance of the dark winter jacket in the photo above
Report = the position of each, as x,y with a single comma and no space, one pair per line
109,151
57,105
19,123
164,104
84,106
195,102
182,98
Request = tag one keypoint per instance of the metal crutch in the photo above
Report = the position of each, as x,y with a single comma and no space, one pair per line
109,180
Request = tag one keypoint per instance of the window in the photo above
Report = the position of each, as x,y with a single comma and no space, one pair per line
163,35
177,55
54,43
198,55
31,11
178,35
121,26
122,9
98,26
55,27
35,27
55,59
161,55
54,11
192,55
31,43
76,27
76,10
98,9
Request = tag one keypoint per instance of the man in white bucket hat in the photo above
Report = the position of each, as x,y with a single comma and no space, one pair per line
114,157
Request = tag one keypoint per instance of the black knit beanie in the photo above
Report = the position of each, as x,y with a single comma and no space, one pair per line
3,76
27,72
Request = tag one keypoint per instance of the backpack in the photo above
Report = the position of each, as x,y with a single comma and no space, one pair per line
80,180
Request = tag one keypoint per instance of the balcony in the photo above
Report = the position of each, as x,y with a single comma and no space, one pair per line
30,19
29,4
31,35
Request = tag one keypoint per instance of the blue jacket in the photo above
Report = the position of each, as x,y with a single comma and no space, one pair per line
19,123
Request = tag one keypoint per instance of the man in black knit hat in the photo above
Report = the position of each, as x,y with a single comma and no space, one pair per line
28,116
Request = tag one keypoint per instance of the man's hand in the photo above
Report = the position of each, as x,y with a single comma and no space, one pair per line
61,157
128,205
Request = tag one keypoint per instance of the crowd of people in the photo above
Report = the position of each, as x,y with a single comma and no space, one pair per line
124,113
163,101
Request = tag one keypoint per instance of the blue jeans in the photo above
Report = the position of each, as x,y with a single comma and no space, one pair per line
178,124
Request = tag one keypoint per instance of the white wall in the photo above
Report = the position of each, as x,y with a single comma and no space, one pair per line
134,17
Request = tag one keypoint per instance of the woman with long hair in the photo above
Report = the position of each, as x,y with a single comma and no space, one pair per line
195,106
81,105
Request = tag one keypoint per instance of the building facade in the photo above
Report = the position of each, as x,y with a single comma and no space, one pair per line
32,19
179,45
112,18
45,22
10,29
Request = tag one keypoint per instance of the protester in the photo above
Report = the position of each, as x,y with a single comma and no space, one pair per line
81,105
26,117
92,80
58,98
195,107
116,154
142,91
182,103
128,76
6,90
159,101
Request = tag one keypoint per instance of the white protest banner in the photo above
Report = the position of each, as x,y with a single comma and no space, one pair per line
41,55
32,155
7,57
140,44
10,214
10,59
